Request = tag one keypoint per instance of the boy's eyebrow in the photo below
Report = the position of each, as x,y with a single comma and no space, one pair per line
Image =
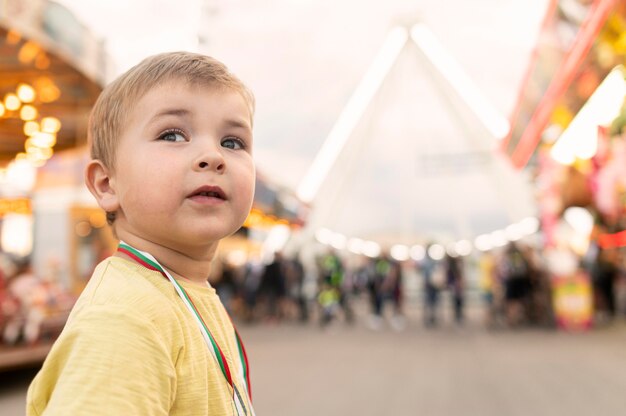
180,112
230,122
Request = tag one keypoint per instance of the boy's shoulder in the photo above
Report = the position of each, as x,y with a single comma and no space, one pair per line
120,285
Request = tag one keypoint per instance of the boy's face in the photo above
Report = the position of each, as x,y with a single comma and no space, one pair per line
184,173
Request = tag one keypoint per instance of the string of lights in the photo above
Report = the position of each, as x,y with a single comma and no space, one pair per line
403,252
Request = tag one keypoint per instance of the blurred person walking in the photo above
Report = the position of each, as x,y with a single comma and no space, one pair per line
516,276
294,277
490,288
433,278
604,273
395,291
226,286
253,273
539,304
333,288
380,268
455,282
273,287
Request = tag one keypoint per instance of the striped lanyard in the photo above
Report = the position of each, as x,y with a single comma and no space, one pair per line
149,262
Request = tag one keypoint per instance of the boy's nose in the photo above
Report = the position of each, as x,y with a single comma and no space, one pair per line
219,167
210,161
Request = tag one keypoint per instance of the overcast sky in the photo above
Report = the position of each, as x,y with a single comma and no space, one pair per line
303,58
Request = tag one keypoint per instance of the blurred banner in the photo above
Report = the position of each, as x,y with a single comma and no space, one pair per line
579,43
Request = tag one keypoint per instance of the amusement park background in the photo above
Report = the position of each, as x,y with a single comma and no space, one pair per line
440,212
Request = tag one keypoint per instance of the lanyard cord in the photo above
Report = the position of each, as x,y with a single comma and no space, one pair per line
149,262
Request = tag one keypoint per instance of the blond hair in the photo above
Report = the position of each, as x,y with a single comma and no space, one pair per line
110,111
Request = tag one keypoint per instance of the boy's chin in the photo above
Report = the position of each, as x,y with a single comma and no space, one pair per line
210,236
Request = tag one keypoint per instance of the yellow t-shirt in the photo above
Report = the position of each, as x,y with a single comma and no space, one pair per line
131,347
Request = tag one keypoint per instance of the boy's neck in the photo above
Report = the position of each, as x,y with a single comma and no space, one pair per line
187,266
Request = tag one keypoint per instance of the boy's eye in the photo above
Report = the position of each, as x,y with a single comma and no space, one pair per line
233,143
172,136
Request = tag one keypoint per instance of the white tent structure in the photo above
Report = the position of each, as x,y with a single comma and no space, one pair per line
418,121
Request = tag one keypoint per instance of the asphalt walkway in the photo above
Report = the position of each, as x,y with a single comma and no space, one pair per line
306,371
466,371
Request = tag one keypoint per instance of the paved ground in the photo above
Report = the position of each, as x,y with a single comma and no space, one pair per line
306,371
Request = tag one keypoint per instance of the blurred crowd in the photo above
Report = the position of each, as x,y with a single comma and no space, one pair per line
33,308
513,286
338,289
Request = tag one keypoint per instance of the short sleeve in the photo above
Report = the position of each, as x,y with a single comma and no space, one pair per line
107,362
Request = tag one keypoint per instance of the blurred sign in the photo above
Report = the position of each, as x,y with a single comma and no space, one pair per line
573,304
439,164
15,206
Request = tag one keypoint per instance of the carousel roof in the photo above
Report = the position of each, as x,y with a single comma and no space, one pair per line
52,63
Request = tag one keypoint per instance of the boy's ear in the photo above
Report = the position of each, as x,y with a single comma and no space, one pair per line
101,185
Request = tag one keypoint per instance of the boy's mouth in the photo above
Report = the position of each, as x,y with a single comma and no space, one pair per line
208,192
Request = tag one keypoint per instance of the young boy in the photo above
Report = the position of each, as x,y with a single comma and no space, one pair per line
171,143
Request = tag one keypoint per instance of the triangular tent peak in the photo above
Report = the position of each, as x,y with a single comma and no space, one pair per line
395,42
415,135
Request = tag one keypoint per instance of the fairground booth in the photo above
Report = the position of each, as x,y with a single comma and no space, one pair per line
568,128
52,70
